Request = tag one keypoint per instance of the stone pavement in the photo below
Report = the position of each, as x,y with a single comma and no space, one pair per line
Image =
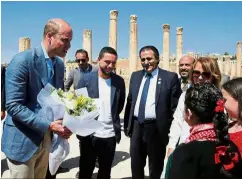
121,166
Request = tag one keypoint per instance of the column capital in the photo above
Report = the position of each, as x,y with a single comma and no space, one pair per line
179,30
24,38
239,44
113,14
133,18
166,27
87,33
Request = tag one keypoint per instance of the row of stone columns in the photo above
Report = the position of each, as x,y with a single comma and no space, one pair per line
24,43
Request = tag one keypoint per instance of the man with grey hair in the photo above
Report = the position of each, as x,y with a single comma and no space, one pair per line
185,68
26,139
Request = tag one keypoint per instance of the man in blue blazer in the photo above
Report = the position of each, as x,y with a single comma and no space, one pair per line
26,138
151,102
110,89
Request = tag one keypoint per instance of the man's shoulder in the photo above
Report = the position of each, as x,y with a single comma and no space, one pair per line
168,73
22,58
137,73
93,67
117,77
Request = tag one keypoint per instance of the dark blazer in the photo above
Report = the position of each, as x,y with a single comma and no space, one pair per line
90,81
24,128
168,91
75,76
3,98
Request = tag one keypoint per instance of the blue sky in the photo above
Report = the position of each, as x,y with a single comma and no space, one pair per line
207,26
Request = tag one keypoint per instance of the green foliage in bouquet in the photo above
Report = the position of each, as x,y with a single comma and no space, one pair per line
79,104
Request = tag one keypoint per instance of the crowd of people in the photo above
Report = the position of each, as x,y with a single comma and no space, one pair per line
197,116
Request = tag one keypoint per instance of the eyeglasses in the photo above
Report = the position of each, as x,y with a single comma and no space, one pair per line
83,60
205,75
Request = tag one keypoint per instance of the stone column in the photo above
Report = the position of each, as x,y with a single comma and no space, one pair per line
238,55
87,42
133,44
113,29
220,64
179,47
166,46
233,69
24,43
227,69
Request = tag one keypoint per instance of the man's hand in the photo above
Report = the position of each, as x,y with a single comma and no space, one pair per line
3,114
126,132
170,150
62,131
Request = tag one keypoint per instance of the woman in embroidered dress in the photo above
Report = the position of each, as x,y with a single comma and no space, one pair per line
207,153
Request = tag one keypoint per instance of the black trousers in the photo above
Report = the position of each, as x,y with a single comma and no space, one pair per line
92,148
49,176
145,140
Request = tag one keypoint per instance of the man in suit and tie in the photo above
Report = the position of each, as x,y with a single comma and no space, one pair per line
151,102
26,139
77,73
110,89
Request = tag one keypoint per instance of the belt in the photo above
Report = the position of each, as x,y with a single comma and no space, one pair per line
147,120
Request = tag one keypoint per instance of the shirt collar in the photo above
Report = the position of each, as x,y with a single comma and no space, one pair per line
46,55
86,70
154,72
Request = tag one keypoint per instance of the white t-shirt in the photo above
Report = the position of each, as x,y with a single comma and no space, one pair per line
105,117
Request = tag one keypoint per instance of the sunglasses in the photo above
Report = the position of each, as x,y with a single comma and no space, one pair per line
205,75
83,60
148,58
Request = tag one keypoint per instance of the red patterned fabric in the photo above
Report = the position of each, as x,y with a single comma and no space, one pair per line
237,139
202,132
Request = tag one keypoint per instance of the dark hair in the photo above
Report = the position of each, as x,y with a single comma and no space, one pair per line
234,88
202,99
81,51
153,48
107,50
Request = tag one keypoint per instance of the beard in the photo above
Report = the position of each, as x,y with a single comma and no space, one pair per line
104,72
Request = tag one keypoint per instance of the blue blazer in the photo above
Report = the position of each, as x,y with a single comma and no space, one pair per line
168,91
24,129
90,81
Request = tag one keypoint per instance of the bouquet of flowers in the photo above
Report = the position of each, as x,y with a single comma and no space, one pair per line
78,112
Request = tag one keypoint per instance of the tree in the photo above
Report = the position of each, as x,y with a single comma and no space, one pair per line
226,53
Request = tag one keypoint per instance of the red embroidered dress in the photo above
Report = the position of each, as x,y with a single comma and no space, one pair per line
237,139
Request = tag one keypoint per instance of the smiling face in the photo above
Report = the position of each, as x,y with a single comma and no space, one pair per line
201,76
185,66
107,63
61,42
231,105
148,60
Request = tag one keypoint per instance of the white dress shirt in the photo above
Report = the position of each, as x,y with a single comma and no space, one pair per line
179,127
150,102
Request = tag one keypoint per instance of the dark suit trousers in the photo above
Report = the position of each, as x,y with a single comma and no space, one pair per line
145,140
93,148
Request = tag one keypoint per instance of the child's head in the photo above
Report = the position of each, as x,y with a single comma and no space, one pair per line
232,93
200,103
